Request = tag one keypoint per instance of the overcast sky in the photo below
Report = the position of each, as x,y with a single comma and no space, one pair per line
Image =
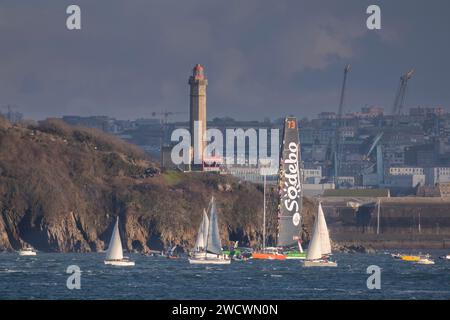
262,58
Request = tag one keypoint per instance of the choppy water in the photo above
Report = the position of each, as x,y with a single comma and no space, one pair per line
44,277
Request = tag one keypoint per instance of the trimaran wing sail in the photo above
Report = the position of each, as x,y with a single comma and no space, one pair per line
290,186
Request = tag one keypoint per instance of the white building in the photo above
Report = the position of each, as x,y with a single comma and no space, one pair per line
345,181
405,171
437,175
405,181
405,177
312,176
250,173
347,132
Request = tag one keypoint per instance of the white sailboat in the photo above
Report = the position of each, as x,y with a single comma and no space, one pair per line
208,247
114,254
320,246
425,260
445,257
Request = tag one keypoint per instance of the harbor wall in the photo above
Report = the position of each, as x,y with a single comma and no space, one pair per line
400,223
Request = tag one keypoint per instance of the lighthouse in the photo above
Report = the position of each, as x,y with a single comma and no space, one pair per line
197,115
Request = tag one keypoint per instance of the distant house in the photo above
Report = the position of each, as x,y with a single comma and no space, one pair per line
369,193
444,189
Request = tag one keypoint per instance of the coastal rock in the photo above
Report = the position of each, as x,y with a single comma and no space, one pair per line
352,248
4,240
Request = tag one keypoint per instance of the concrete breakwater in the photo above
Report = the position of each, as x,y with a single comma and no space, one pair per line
408,222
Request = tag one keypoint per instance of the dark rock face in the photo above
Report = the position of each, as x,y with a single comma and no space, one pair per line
352,248
62,187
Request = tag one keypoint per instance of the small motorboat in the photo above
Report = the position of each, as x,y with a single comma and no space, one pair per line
445,257
239,258
27,252
396,256
171,254
425,260
410,258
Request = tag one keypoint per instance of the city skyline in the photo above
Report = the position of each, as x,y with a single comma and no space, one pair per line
272,59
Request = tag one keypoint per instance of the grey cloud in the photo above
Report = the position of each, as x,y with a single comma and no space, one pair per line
262,57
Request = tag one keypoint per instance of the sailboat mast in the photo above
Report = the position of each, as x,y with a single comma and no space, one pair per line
378,216
420,228
209,211
264,215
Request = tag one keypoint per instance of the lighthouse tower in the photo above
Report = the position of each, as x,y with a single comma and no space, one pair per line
197,115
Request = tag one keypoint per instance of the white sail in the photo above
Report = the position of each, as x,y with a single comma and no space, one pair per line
115,251
320,242
202,235
213,244
314,249
200,243
324,234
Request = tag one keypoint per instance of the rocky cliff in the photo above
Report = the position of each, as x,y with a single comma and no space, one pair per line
61,188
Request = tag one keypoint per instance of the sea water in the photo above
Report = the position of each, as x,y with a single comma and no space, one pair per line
45,277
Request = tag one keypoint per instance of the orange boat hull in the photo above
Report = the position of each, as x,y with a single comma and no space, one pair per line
268,256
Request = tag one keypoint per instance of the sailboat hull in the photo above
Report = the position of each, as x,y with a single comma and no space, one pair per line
27,253
295,257
319,263
425,261
199,255
410,258
120,263
209,261
268,256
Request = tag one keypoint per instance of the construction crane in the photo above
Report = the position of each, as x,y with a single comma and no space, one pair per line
337,141
366,157
344,84
401,93
374,144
